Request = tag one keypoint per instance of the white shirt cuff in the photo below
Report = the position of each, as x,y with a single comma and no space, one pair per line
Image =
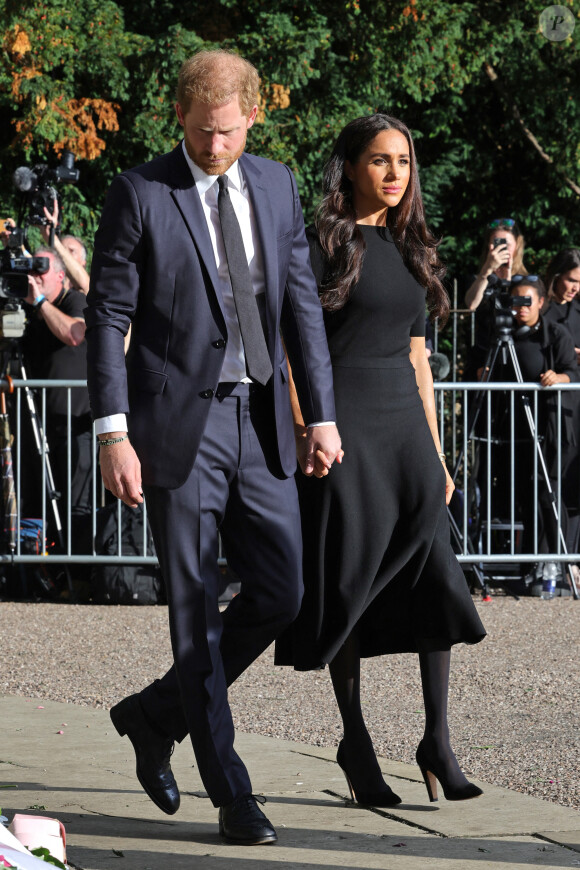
114,423
118,423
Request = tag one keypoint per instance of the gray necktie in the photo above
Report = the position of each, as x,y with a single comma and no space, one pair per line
258,363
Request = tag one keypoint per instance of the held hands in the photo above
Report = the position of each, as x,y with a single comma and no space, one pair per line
121,470
317,448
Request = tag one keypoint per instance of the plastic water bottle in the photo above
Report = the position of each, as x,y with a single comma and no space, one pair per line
549,581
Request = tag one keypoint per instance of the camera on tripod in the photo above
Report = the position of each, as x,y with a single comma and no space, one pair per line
499,291
37,186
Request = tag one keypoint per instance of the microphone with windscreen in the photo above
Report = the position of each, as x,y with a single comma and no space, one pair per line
24,179
439,366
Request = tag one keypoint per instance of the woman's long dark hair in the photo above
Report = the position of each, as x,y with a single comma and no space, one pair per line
340,238
563,262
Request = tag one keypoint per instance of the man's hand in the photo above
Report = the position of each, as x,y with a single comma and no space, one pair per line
76,272
321,447
52,219
121,470
34,289
549,378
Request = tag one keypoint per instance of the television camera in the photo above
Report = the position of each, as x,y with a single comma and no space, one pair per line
37,186
14,271
499,292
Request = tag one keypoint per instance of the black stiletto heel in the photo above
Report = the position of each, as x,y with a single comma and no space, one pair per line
384,798
431,775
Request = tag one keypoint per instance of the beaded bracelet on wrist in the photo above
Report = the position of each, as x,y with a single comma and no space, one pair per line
108,442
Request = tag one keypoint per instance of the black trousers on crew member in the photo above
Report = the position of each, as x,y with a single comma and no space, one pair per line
234,489
81,444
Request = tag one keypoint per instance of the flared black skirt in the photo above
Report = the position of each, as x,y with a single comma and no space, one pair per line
377,552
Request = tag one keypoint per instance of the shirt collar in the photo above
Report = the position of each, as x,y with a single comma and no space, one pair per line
203,182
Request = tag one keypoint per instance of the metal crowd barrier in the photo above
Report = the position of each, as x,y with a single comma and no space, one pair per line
455,402
18,416
453,399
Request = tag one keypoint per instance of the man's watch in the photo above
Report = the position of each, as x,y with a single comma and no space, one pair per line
38,301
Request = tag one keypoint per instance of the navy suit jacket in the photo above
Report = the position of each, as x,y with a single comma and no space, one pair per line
154,267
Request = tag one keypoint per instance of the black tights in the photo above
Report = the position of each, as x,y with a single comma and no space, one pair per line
434,660
357,744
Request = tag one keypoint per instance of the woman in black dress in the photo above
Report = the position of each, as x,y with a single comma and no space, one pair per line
380,575
563,284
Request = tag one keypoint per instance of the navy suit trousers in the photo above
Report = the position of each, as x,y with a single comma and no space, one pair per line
234,489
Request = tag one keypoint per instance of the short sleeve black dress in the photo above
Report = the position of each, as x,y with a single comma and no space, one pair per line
377,551
567,315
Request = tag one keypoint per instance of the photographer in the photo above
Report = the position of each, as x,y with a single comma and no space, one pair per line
71,251
12,237
501,257
54,347
545,353
6,227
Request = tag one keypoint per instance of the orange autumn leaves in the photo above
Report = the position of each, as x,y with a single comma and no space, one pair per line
74,123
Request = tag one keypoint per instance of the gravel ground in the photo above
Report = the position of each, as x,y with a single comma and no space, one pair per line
513,698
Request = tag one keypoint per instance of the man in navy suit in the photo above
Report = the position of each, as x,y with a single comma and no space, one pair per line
198,415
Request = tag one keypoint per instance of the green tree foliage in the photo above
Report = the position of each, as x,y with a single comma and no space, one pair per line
492,102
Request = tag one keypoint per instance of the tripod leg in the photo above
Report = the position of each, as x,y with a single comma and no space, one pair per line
43,451
572,580
488,368
458,536
540,454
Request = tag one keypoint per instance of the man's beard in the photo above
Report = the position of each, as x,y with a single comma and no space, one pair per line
217,164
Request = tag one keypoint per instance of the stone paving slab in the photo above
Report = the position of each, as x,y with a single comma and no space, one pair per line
85,777
571,839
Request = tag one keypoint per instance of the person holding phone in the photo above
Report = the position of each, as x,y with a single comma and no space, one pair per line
501,257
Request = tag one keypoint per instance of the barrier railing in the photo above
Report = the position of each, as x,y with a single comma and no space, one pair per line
488,532
35,462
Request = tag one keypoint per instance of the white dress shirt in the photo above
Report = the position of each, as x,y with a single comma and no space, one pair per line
234,366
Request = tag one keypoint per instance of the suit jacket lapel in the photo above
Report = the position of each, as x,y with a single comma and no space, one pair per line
189,204
264,218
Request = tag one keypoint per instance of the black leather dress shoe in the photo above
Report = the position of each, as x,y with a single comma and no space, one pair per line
152,750
243,822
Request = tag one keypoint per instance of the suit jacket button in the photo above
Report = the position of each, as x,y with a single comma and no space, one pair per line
219,343
206,394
